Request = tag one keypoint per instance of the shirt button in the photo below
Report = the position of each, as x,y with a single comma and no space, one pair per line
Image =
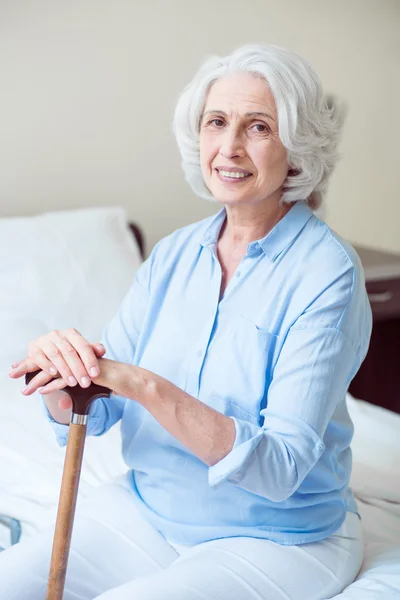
199,353
238,274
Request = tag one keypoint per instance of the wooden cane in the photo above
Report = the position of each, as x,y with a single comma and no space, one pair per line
81,401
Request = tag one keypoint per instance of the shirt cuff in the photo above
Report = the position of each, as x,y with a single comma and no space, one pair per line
94,424
59,429
247,438
271,461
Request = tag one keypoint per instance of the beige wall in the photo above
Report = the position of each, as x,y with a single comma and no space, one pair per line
88,89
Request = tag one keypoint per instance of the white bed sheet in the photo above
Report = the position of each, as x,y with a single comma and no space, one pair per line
31,465
31,461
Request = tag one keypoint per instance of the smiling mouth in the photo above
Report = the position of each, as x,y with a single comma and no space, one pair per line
233,176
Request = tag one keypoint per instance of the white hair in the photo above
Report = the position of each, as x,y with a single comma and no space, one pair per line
308,122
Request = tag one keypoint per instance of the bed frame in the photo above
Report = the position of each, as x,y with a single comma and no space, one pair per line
377,381
138,234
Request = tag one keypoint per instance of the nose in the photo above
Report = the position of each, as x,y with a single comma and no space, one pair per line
231,144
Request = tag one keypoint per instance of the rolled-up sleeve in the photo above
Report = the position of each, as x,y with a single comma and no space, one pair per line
310,378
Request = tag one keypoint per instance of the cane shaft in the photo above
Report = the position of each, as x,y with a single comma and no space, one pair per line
66,511
81,401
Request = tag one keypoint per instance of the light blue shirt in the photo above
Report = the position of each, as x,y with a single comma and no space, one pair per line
276,354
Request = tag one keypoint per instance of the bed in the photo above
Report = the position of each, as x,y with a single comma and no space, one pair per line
72,268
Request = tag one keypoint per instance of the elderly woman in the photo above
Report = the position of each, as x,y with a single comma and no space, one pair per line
229,361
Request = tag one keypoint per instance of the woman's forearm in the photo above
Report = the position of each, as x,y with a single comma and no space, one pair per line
207,433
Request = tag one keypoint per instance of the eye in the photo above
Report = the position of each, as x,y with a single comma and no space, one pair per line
217,122
261,128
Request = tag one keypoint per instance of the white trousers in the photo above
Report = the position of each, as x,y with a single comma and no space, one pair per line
117,555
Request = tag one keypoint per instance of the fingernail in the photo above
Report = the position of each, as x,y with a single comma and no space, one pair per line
41,389
53,371
94,371
85,382
24,389
72,380
14,365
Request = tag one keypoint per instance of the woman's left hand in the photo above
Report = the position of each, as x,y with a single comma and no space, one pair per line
108,375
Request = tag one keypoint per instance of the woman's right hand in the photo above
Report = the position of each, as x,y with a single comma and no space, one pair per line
60,353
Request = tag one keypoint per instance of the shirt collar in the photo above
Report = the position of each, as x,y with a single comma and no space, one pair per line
211,234
276,240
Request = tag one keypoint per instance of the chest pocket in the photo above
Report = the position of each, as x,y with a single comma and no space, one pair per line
242,358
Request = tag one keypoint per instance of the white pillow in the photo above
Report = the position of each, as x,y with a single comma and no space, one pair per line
62,269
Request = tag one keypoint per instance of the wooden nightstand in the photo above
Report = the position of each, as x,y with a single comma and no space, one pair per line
378,380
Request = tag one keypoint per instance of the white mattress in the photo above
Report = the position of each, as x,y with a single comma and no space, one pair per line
31,466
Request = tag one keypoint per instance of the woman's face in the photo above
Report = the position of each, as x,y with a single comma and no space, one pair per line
242,158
